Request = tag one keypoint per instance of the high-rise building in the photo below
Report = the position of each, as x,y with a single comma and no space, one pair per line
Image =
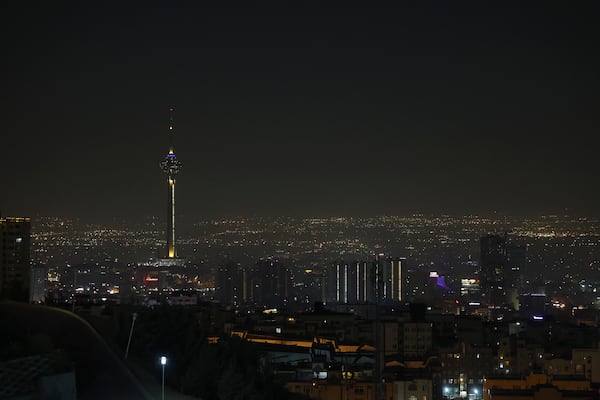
378,281
516,263
337,282
267,283
231,286
501,269
493,268
171,167
15,269
389,277
39,284
493,257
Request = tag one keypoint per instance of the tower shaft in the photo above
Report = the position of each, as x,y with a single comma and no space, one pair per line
171,222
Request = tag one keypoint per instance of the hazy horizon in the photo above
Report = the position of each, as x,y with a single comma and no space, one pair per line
301,110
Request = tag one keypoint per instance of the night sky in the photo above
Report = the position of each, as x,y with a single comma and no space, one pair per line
301,111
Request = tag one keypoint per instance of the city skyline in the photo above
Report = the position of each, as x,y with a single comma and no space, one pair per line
301,111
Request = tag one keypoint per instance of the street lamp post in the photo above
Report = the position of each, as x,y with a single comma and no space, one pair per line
134,315
163,362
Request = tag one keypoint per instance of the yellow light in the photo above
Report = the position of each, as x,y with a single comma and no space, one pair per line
171,253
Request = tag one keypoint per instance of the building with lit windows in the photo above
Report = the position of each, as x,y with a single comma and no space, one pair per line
267,283
501,269
538,386
358,282
586,362
39,283
389,277
15,268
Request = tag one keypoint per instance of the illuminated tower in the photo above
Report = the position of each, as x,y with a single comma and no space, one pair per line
171,167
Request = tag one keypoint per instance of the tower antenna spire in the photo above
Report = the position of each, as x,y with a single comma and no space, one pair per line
171,130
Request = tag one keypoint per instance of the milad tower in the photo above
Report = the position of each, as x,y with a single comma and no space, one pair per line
171,167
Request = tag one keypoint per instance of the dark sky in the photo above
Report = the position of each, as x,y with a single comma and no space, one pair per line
455,108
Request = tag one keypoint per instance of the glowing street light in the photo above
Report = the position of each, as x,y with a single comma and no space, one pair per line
163,362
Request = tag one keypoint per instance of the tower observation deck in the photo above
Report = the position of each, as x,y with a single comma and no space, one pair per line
171,167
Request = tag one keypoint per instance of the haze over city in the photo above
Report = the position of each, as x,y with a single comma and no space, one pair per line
301,109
